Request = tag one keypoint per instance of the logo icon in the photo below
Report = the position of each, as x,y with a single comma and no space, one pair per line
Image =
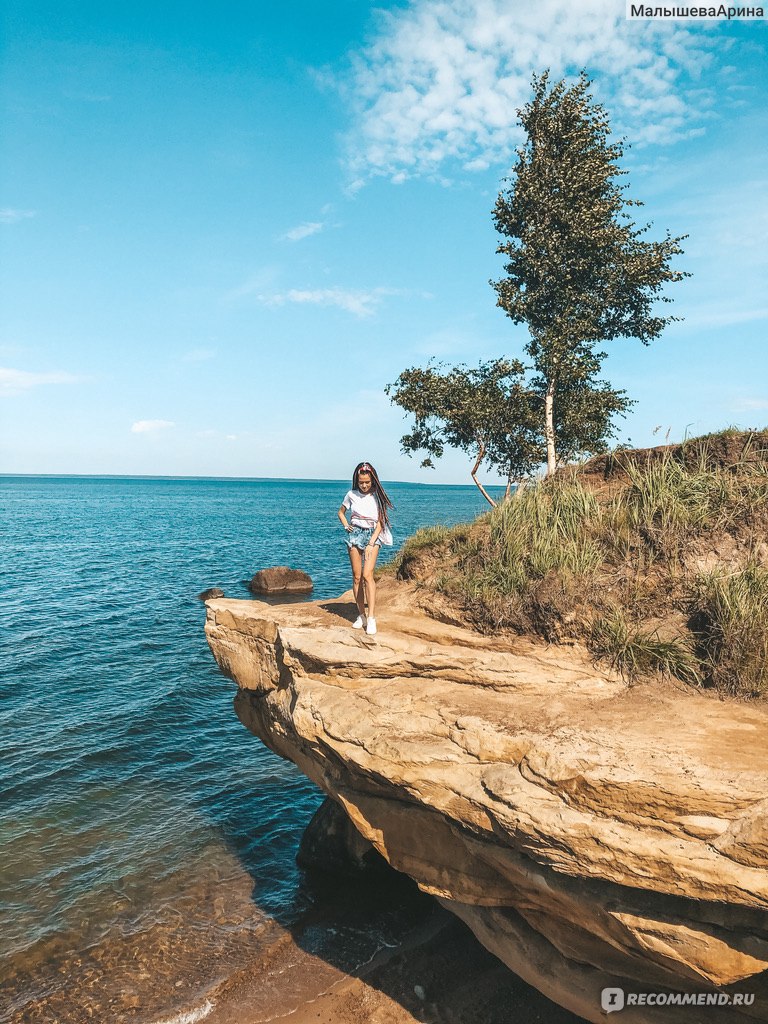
612,999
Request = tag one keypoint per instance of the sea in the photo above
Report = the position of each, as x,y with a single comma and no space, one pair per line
147,840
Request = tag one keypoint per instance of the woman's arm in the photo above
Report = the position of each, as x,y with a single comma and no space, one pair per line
343,519
375,535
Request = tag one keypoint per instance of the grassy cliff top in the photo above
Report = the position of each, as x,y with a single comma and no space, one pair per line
656,559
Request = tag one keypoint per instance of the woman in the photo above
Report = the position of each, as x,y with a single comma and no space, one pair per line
367,529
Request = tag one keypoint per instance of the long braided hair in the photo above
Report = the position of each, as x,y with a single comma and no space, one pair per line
379,493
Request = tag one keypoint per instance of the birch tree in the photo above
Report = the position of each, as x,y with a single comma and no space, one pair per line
578,271
486,411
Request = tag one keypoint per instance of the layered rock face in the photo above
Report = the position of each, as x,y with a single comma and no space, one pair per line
591,835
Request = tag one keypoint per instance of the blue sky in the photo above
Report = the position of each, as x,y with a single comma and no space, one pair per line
225,228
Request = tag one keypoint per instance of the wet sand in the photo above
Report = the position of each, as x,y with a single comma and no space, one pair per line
432,969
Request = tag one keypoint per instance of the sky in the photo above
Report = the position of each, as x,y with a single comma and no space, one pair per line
225,228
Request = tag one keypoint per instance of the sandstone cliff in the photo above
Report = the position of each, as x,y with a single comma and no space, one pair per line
591,835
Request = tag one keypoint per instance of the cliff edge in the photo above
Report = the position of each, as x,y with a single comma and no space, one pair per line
592,835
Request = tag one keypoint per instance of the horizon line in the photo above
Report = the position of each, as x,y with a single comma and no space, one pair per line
245,479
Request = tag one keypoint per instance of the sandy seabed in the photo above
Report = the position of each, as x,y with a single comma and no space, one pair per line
368,951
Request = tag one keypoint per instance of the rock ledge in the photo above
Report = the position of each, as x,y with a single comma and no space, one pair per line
590,834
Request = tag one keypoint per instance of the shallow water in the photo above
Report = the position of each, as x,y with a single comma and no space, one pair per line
148,840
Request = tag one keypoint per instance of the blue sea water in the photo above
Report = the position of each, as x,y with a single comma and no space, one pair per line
147,839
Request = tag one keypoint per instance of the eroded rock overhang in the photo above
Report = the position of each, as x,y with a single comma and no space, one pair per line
591,835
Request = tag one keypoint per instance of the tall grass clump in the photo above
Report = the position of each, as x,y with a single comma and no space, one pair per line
667,501
546,530
731,624
635,652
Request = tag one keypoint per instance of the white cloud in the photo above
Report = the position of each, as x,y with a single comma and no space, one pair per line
360,303
442,79
149,426
303,231
13,382
9,216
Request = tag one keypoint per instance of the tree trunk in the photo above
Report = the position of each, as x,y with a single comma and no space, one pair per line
485,494
549,426
508,488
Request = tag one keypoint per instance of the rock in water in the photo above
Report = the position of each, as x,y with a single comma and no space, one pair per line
210,593
281,579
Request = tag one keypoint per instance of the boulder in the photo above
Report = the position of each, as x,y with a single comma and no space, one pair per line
280,579
210,594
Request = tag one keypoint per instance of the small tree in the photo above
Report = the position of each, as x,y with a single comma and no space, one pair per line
494,415
486,412
578,272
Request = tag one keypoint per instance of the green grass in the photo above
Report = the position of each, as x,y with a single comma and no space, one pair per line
667,502
429,538
544,529
635,652
731,616
568,562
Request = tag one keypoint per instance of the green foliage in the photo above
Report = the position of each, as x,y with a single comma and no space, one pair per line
578,273
485,411
496,416
583,411
731,617
577,270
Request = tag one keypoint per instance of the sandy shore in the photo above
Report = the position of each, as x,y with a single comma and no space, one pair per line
435,972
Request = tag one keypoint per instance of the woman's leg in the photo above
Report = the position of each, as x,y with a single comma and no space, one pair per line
371,554
358,587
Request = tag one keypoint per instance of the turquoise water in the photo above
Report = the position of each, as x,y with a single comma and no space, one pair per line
148,840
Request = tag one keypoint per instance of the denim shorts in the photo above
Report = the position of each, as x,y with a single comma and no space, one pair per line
360,538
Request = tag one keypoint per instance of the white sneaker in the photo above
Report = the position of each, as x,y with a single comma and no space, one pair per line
370,629
359,622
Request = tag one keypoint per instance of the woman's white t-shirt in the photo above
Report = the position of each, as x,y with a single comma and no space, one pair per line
364,512
364,509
